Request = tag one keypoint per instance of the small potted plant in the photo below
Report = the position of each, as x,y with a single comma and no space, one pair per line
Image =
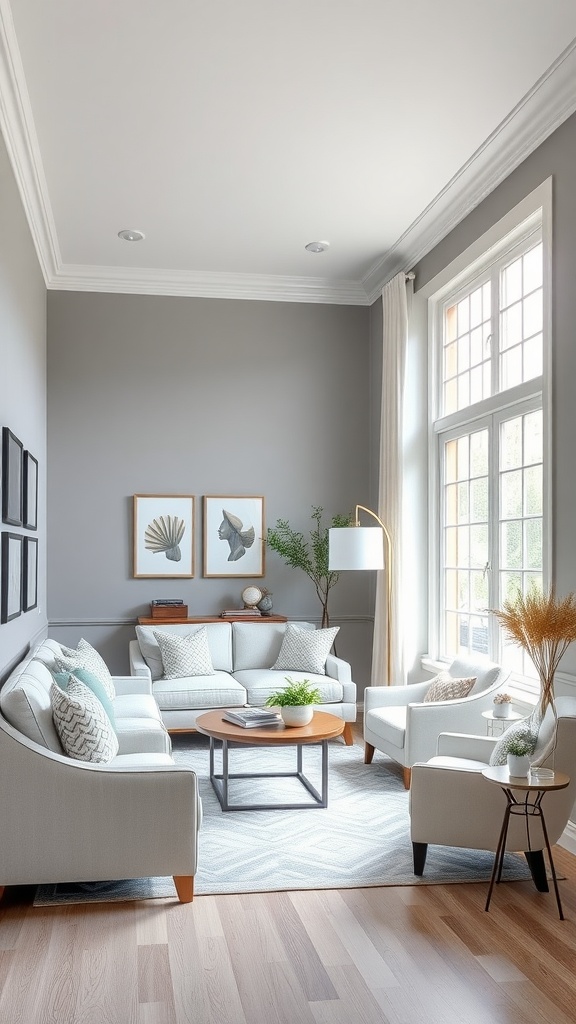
295,701
502,705
518,757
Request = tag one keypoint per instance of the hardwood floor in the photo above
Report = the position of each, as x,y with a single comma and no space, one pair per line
404,955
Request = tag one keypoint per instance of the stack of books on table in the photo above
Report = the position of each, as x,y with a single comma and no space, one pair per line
238,613
252,718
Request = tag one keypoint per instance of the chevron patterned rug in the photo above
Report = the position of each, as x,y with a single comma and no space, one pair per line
361,839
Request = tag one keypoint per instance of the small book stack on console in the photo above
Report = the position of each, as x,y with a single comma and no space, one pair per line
252,718
240,613
168,608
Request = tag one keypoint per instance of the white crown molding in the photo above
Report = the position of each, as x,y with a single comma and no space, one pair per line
550,101
17,126
265,287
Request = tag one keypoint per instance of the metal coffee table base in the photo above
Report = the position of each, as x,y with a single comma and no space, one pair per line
220,782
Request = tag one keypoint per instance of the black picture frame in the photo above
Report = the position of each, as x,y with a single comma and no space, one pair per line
30,492
12,462
30,574
11,572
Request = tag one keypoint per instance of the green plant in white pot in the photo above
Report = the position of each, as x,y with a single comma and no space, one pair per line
295,701
518,757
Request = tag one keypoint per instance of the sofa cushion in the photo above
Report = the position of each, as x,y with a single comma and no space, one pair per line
82,724
260,683
141,761
136,705
25,703
257,644
185,655
219,641
92,682
142,735
305,650
194,692
389,723
85,656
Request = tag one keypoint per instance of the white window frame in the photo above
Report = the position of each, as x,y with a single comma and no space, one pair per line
533,214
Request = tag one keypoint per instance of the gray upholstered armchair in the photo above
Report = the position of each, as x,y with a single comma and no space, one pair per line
401,725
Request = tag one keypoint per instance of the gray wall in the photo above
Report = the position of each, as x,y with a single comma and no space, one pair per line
200,396
22,382
556,157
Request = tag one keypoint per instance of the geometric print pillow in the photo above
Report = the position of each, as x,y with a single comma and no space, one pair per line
184,656
446,687
86,657
83,726
305,650
526,728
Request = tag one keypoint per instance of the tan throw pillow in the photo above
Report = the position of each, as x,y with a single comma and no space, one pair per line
445,687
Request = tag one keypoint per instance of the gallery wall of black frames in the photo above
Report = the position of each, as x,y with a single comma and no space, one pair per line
19,551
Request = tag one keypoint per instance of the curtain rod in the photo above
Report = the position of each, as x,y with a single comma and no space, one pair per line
410,276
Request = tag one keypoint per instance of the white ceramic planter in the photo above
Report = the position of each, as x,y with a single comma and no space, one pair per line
297,715
501,710
518,765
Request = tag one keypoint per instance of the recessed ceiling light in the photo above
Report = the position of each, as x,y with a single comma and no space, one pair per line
131,235
317,246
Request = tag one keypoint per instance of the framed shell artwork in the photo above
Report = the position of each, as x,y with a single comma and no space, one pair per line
164,536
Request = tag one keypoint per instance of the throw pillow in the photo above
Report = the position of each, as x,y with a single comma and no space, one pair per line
305,650
83,726
446,687
86,657
185,655
93,683
525,729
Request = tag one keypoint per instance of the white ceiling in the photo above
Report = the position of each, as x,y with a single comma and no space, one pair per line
233,132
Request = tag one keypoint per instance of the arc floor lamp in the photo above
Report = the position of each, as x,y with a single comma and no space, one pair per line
365,547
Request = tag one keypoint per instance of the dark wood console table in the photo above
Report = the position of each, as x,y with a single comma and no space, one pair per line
147,621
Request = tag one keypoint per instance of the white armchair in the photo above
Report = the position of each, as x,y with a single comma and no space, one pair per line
399,723
452,804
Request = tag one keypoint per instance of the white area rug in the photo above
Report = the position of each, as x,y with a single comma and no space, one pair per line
361,839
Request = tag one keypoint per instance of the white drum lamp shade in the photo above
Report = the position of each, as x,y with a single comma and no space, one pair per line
355,547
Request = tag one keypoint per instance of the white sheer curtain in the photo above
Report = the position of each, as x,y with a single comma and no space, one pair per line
394,338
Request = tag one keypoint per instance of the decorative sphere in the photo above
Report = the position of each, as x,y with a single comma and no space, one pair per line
251,596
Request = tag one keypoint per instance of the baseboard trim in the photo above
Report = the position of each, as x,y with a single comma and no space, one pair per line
568,838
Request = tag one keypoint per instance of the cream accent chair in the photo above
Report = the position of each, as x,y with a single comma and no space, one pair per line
452,804
401,725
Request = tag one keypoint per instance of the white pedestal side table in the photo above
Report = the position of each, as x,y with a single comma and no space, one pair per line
492,721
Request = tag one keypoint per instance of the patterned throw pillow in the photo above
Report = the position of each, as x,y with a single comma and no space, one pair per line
525,729
445,687
305,650
86,657
83,726
185,655
82,675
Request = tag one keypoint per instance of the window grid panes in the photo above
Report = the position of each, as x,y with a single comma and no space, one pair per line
521,499
491,457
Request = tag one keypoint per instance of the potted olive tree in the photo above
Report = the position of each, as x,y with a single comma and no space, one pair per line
295,701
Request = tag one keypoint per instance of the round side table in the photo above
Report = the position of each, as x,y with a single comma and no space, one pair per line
493,720
528,808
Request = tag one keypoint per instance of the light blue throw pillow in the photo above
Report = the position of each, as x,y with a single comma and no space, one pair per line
93,684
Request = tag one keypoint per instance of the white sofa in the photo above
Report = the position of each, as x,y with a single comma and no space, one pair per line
242,655
65,820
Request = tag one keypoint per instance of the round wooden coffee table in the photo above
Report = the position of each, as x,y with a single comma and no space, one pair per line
322,728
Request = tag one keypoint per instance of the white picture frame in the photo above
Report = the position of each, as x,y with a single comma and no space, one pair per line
163,536
234,536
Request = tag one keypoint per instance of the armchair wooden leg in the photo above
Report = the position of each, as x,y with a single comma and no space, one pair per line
347,734
419,851
1,891
535,860
368,753
184,887
406,775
